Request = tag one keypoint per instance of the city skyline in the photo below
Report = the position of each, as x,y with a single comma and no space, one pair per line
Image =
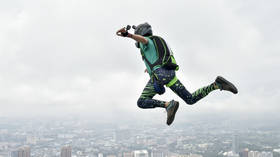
80,138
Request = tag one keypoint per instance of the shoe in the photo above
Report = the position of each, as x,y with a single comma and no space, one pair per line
225,85
171,111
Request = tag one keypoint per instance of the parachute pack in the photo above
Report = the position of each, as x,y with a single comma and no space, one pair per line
165,55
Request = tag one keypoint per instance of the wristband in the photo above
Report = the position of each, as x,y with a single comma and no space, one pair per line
125,34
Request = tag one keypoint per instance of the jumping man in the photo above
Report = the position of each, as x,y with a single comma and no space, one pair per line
161,66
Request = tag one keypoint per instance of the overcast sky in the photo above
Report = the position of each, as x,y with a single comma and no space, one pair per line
60,57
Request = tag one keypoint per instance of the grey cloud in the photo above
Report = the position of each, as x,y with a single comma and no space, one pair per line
59,57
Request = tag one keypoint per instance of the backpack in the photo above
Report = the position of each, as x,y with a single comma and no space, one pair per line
165,55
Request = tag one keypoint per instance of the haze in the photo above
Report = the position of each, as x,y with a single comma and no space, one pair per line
62,57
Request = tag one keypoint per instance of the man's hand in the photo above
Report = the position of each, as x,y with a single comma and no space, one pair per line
122,32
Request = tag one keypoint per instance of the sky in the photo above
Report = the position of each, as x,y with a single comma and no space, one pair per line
62,57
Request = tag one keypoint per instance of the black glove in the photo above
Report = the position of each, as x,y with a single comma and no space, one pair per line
125,34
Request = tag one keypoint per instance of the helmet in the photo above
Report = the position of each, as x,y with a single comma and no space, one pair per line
144,29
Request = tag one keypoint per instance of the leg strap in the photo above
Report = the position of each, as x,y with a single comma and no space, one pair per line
172,82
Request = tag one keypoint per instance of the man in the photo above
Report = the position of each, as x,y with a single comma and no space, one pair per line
161,66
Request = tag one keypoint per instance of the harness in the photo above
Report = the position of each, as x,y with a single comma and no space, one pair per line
165,59
165,55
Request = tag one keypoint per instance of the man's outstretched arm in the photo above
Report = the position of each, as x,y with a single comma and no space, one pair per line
136,37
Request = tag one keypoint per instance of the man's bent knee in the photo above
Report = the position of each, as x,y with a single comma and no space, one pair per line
140,103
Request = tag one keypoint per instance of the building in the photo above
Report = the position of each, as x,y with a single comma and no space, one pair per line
141,153
157,154
190,155
195,155
66,151
260,154
244,153
235,144
252,153
266,154
127,154
30,140
232,154
21,152
100,155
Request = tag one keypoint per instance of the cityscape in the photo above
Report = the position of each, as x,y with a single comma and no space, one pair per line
82,138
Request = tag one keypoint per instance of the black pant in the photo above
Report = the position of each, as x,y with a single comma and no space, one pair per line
165,76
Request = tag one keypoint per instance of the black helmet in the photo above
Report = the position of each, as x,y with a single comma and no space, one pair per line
144,29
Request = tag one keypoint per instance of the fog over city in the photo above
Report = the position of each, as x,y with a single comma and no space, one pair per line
62,57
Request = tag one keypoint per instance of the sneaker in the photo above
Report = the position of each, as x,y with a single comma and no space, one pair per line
171,111
225,85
